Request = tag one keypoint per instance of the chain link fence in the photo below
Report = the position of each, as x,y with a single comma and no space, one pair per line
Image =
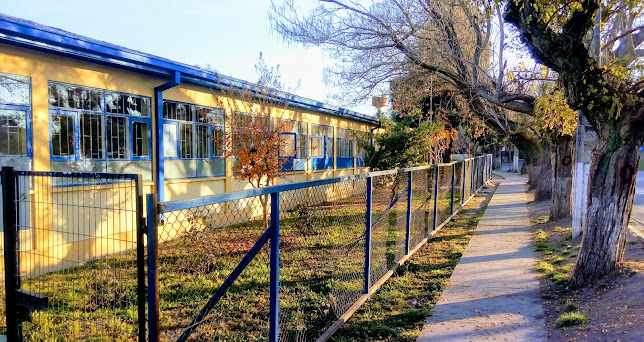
284,263
291,262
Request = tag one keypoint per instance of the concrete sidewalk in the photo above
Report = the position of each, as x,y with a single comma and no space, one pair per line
493,293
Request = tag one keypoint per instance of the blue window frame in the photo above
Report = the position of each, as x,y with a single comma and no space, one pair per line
198,131
321,147
98,125
15,121
193,140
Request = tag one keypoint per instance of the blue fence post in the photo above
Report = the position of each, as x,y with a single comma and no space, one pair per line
275,264
453,185
463,182
408,228
367,259
153,266
473,182
436,198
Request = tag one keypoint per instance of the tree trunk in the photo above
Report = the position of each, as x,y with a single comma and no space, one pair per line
563,155
540,178
612,188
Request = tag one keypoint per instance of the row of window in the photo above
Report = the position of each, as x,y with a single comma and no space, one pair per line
95,124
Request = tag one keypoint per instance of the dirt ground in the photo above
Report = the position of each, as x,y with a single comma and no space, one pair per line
614,306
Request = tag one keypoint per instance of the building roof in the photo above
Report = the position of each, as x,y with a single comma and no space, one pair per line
28,34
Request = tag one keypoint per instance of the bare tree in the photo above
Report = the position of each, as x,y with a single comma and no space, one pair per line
388,39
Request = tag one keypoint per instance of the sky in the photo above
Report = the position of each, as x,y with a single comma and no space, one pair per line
227,35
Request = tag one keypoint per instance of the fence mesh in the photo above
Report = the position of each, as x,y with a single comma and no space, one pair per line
198,250
77,247
388,222
78,242
422,210
322,256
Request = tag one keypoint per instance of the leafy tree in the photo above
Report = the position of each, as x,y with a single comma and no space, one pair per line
593,46
401,145
558,123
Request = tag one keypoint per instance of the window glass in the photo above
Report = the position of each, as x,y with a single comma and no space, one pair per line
177,111
170,140
116,137
317,147
187,136
329,147
301,146
117,103
286,125
287,145
141,143
218,142
213,116
75,97
13,133
91,131
14,89
62,135
203,140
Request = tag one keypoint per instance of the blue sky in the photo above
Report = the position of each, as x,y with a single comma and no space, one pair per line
228,35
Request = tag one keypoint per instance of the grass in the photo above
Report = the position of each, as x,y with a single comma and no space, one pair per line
321,273
397,312
557,255
571,319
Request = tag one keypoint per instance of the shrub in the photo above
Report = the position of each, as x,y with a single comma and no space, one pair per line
571,319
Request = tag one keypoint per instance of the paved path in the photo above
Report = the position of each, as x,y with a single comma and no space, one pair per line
493,292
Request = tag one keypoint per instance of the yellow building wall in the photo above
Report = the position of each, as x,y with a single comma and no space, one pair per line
49,236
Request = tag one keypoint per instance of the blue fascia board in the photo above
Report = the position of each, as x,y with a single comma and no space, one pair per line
27,34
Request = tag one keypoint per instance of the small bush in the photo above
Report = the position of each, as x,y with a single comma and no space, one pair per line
570,306
558,260
571,319
560,230
545,267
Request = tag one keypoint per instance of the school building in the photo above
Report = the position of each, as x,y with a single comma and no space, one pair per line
72,103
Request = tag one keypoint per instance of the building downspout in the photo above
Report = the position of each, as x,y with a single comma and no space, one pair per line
373,129
159,176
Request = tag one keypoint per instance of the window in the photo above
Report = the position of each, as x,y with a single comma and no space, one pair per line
187,140
212,116
116,140
140,139
203,141
91,130
105,125
177,111
294,138
15,116
117,103
287,145
75,97
170,146
62,135
321,141
345,140
317,147
14,89
200,131
218,142
13,133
